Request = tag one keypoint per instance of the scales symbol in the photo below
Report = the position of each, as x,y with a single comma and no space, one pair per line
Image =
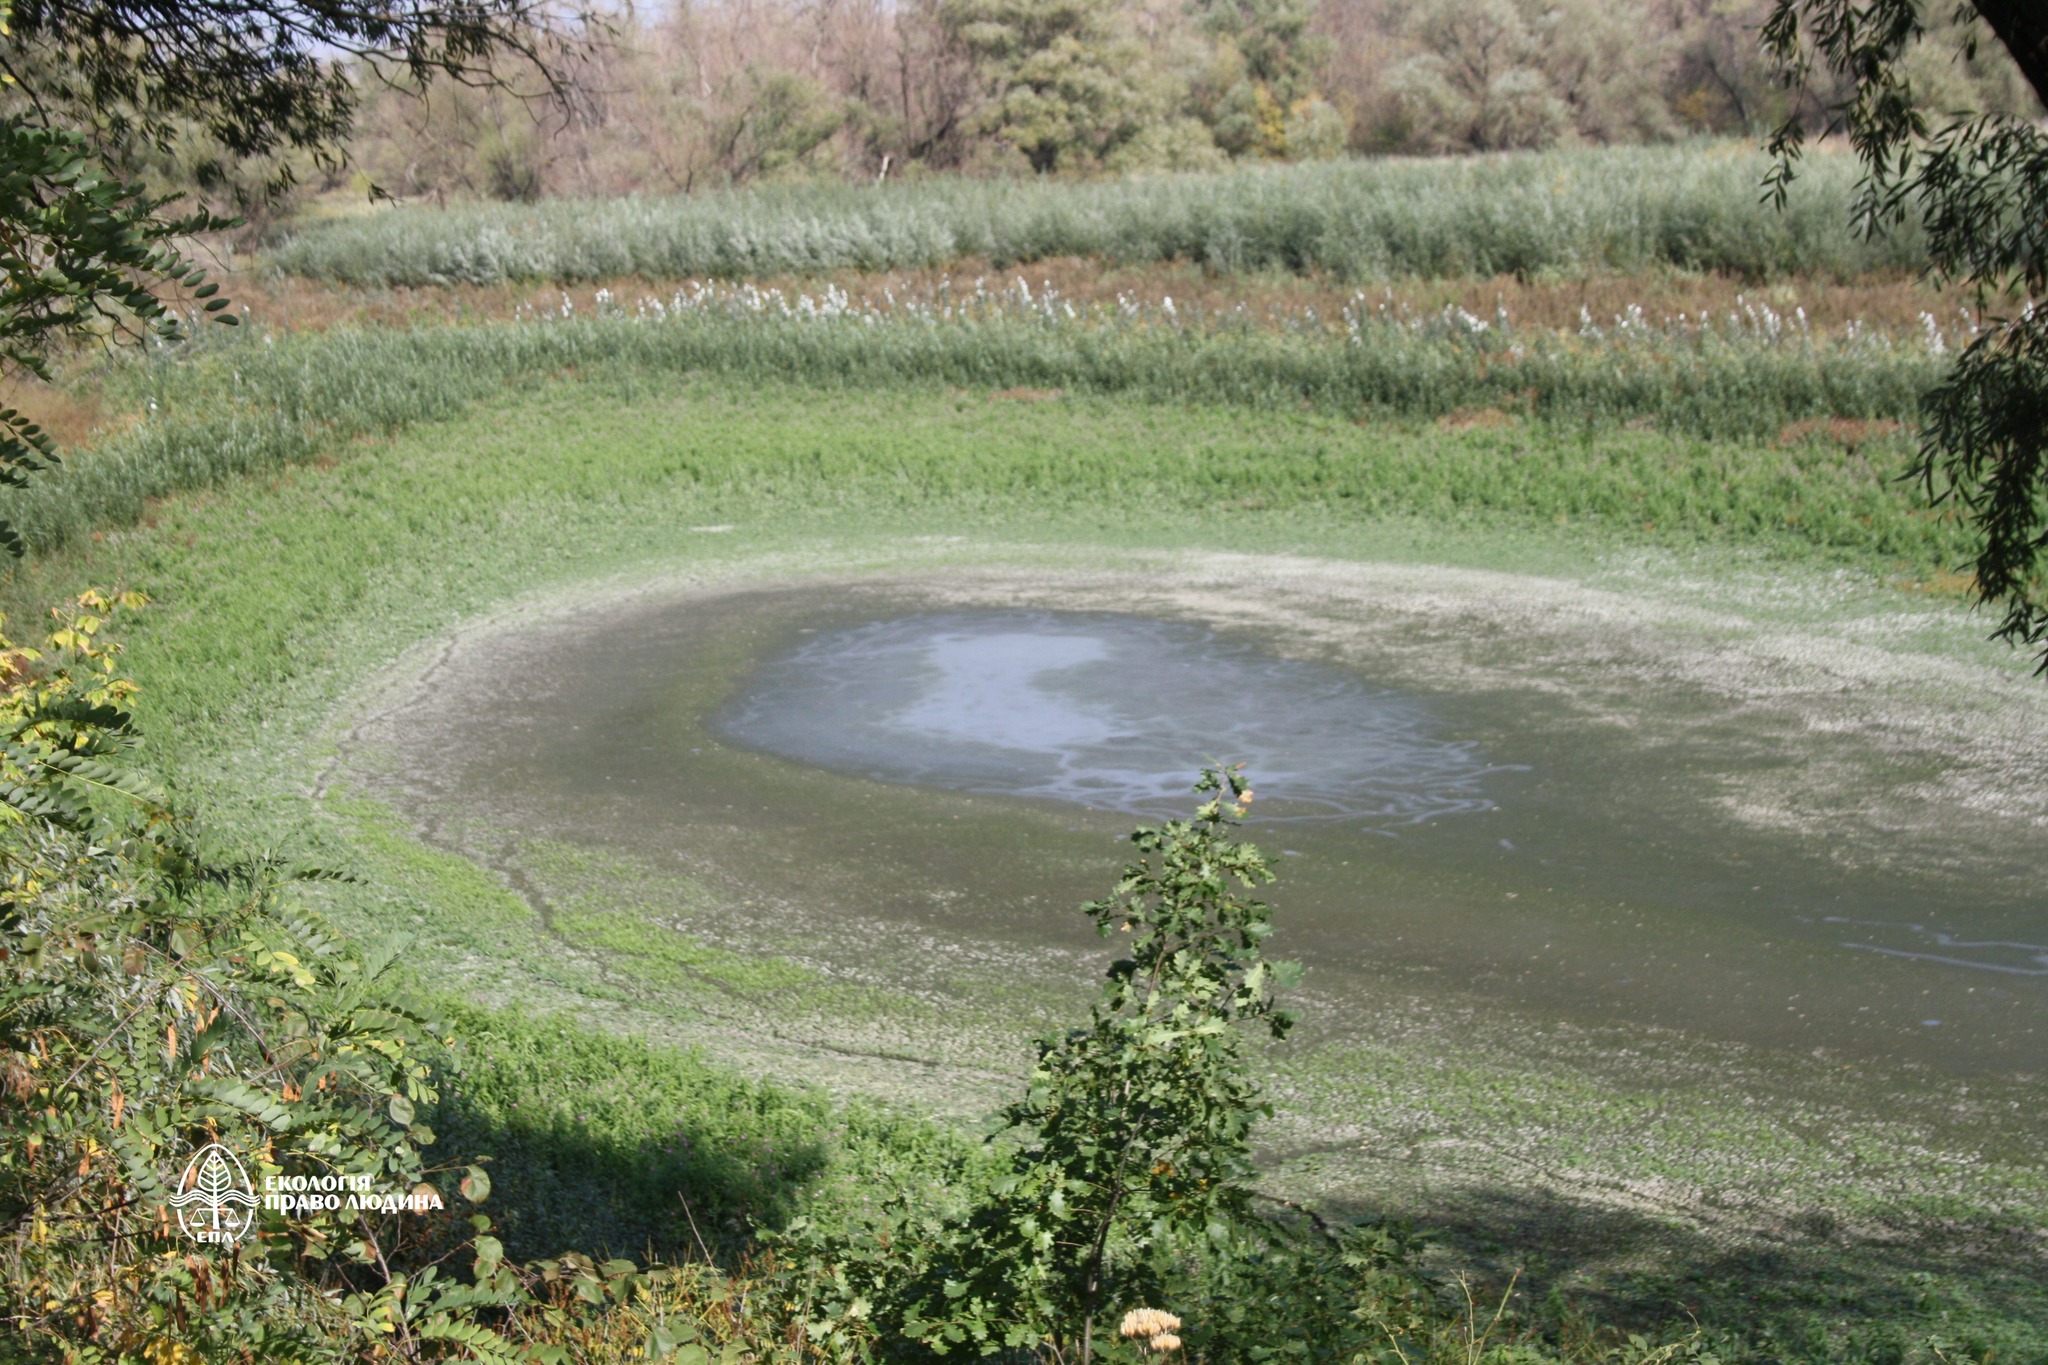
215,1201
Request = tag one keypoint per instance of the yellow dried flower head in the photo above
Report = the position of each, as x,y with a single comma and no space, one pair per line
1166,1341
1149,1322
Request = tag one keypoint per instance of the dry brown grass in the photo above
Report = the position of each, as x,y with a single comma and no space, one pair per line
76,414
70,415
1888,305
1949,583
1847,432
1475,419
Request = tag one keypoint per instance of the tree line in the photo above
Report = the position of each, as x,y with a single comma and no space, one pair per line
702,94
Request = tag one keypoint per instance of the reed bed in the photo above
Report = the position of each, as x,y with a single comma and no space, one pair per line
1691,207
247,402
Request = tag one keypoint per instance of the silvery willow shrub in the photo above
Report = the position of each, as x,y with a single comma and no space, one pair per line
1582,210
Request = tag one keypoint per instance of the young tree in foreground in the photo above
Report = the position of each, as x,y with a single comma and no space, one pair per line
1134,1135
1980,184
1137,1128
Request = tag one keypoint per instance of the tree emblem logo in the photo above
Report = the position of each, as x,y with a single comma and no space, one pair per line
215,1201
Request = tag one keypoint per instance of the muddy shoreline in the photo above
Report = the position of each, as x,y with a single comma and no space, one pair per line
1417,1086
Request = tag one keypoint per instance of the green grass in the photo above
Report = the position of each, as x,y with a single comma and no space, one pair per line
302,576
1693,207
1679,432
603,907
607,1146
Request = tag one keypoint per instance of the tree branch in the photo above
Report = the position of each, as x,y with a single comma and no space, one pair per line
2022,25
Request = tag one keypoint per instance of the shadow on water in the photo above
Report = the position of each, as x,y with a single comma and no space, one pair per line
606,1146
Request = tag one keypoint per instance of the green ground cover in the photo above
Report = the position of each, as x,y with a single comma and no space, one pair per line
323,550
1693,207
1693,432
935,456
595,1141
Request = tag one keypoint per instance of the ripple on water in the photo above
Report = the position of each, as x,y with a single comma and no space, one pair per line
1113,712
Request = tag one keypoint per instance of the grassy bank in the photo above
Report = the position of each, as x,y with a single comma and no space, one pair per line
603,1145
657,448
325,549
1694,207
1711,430
305,508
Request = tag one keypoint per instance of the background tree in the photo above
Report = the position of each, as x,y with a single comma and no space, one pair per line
1059,75
1500,74
1268,46
1717,83
1478,82
1979,182
908,77
650,103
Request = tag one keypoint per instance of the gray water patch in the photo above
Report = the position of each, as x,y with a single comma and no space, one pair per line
1607,880
1927,943
1110,711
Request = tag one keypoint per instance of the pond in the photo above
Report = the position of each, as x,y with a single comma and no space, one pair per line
1113,713
1561,832
1108,711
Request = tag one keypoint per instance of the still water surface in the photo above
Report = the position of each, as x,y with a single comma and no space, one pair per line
966,773
1112,712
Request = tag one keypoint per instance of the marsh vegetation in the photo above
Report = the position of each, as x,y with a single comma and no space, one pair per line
430,593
